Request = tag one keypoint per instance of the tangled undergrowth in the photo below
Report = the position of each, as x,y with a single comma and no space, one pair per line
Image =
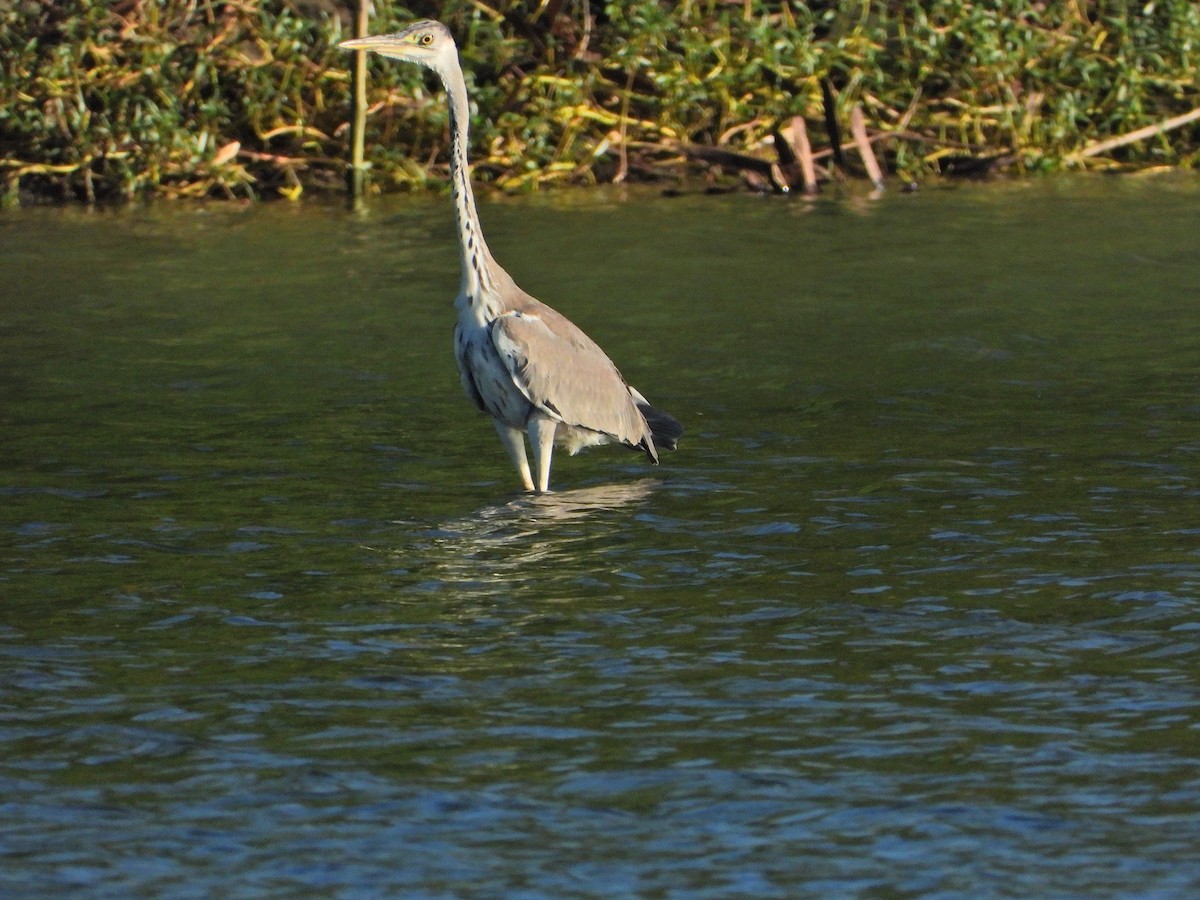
250,98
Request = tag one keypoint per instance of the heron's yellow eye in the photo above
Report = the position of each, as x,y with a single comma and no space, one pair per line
426,39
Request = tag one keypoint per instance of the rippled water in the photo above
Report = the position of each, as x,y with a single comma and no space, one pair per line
914,610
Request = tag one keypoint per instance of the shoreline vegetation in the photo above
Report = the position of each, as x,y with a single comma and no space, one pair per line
124,99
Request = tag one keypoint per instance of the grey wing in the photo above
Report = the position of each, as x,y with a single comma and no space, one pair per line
564,373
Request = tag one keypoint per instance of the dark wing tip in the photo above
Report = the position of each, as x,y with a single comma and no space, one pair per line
665,428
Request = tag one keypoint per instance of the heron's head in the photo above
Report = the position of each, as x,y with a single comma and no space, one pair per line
427,43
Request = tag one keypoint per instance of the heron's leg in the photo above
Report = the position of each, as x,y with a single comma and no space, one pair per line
541,438
514,443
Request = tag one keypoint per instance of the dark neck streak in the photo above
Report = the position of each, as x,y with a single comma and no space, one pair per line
476,276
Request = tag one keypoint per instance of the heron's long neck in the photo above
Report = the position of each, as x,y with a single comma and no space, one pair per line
476,258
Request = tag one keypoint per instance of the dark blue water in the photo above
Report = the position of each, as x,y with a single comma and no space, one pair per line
914,610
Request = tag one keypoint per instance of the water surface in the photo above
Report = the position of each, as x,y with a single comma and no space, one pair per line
914,610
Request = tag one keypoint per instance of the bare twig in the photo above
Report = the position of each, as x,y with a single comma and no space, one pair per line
795,156
1095,149
858,128
622,149
729,158
831,126
804,151
358,168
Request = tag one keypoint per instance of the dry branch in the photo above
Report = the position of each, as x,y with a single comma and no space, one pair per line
804,153
858,129
1095,149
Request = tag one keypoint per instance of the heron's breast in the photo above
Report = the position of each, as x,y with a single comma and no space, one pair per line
481,362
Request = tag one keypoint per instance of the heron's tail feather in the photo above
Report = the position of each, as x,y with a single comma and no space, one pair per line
664,428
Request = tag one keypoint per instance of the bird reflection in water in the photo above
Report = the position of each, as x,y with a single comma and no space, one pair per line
510,543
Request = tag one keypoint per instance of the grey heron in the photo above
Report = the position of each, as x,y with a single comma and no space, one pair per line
526,365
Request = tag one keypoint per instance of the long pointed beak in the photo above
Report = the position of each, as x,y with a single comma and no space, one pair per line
380,43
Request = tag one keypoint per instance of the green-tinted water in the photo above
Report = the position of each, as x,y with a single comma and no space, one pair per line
914,609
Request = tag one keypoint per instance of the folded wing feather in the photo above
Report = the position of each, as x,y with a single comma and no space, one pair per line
564,373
